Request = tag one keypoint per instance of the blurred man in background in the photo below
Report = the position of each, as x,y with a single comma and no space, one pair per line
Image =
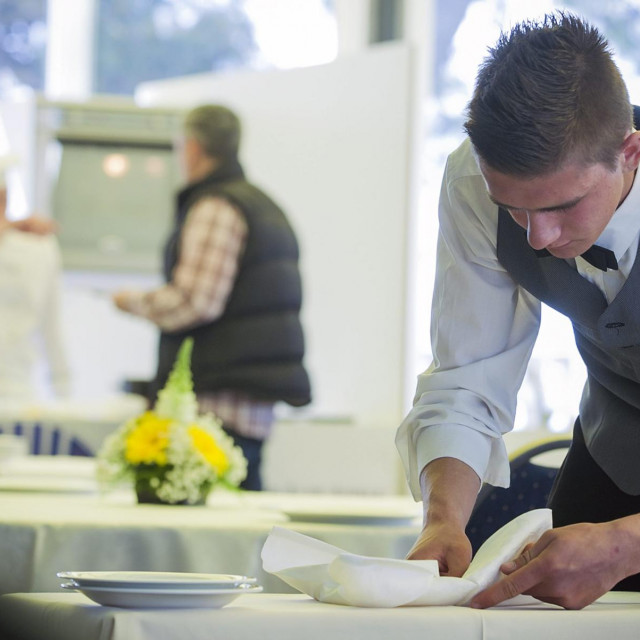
233,284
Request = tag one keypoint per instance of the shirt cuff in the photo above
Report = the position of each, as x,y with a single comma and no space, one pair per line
454,441
485,454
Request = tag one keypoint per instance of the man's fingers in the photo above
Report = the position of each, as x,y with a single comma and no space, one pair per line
518,582
525,557
419,551
455,568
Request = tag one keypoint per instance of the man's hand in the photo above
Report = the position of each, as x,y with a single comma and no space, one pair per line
121,299
449,489
35,224
445,543
570,566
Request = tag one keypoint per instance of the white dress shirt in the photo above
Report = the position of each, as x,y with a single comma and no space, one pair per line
30,315
483,328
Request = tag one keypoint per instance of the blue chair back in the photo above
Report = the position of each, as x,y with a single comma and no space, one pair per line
529,489
48,439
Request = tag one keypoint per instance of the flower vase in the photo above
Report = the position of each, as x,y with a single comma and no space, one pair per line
147,480
171,453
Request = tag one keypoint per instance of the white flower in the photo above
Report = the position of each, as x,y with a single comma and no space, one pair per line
180,452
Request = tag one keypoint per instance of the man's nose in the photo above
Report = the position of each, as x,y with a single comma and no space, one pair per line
543,229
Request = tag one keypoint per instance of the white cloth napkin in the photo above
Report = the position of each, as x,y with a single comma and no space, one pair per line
330,574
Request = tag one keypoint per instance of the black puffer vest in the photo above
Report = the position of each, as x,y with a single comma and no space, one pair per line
256,346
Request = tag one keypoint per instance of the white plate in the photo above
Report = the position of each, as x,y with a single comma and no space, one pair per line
48,467
337,517
162,598
155,579
41,484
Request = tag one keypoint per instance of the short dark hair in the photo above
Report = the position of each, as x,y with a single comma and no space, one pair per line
216,128
549,91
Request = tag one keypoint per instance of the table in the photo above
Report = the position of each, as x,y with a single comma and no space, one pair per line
43,532
70,616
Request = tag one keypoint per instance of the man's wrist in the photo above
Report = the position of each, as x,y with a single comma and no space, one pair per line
625,542
449,489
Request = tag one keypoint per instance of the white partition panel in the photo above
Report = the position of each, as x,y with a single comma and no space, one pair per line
331,144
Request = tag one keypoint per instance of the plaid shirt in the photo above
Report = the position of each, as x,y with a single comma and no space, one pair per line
212,242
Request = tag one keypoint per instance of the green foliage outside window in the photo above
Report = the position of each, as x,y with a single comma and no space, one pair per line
140,40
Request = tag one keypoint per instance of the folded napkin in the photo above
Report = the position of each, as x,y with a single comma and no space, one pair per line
330,574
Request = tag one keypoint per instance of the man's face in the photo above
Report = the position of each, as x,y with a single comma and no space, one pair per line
565,211
183,148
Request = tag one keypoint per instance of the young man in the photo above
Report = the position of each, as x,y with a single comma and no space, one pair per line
548,170
233,284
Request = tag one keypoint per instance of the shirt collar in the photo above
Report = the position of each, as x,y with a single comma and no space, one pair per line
624,226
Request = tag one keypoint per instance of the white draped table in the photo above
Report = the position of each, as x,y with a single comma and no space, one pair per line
44,532
70,616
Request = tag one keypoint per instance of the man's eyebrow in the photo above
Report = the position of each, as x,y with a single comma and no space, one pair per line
564,205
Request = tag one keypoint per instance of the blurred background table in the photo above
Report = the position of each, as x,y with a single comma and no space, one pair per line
70,616
54,520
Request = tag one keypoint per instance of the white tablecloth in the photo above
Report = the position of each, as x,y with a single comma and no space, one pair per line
70,616
43,532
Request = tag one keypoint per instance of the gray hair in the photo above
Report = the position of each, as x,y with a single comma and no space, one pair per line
216,128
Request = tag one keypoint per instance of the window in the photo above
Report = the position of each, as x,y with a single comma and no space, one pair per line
23,35
155,39
139,40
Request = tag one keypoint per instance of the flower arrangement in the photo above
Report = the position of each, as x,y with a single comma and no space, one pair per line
171,453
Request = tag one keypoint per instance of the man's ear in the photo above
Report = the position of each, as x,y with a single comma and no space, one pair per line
630,151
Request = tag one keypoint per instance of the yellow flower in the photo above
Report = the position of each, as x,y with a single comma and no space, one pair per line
205,443
147,443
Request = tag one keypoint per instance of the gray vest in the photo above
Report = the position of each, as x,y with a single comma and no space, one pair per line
608,339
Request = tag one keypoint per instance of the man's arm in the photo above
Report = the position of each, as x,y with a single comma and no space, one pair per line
570,566
449,490
212,242
483,328
33,224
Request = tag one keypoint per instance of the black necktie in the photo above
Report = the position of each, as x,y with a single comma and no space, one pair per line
596,256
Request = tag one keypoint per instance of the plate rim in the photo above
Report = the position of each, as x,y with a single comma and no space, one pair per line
146,578
252,588
310,516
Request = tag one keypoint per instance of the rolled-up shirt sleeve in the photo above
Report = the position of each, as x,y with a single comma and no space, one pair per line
483,328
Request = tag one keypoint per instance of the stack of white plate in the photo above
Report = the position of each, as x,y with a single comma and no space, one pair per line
158,590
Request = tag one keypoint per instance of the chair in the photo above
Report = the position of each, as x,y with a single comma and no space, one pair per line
529,489
47,439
